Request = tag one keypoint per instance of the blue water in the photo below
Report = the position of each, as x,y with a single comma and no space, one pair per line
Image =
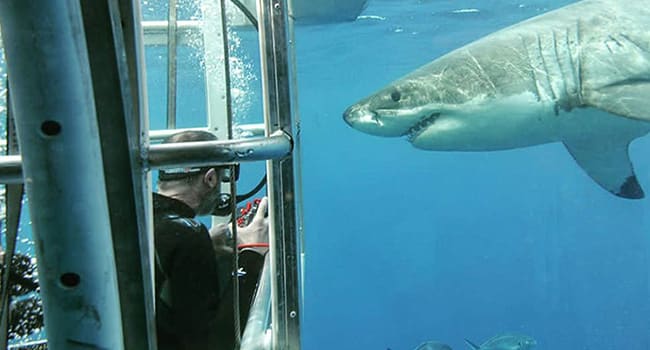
405,245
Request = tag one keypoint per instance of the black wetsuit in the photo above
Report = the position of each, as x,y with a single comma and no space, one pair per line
193,289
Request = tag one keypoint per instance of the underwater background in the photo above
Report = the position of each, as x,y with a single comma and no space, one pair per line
404,245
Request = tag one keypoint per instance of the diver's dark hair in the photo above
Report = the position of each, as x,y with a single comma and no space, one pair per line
190,136
187,174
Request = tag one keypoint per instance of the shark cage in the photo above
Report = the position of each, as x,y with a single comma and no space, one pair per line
79,144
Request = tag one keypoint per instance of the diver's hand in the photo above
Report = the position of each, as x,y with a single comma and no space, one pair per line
221,239
258,229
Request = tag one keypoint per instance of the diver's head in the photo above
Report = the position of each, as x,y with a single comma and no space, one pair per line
198,187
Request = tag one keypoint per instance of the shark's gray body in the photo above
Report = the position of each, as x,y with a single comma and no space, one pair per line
433,345
578,75
505,342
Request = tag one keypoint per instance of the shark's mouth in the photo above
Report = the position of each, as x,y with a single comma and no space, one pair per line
420,126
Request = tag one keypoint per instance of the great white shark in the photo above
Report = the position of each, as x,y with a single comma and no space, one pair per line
505,342
579,75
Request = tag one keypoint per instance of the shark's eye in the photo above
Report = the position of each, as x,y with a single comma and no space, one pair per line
395,96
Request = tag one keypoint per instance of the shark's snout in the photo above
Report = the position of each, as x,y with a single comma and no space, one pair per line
363,119
355,115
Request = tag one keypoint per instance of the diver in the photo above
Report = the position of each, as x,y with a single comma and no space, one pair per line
194,292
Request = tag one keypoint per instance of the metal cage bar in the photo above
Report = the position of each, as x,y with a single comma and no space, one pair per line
256,336
278,84
56,121
61,131
219,152
113,42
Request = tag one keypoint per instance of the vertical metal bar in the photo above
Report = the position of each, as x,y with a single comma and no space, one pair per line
227,103
137,124
14,204
278,84
219,110
113,93
217,92
226,118
217,80
235,262
47,57
255,336
171,65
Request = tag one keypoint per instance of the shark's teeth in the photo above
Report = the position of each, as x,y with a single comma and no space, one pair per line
415,130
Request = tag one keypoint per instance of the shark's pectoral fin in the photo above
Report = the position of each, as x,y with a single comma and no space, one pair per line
626,99
472,345
608,163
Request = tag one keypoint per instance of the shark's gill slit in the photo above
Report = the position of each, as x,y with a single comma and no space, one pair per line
415,130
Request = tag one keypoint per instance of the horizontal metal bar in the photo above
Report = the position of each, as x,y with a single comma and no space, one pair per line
28,345
204,153
248,150
242,130
188,31
156,27
11,170
249,130
155,32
